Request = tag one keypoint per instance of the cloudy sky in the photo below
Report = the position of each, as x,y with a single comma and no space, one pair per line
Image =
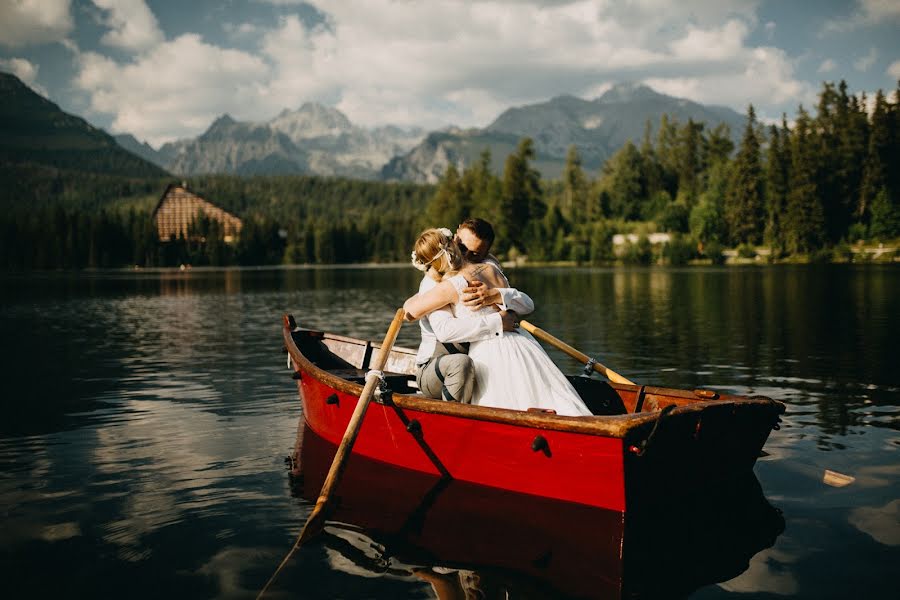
163,69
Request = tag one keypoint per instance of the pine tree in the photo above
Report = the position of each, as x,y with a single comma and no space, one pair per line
744,200
852,142
804,227
666,142
448,206
575,193
650,162
689,153
875,168
718,145
623,180
521,200
483,189
777,177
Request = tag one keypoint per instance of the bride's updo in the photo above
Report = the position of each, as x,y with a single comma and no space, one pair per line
436,253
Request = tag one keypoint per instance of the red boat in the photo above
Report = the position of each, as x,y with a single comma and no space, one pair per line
398,523
643,440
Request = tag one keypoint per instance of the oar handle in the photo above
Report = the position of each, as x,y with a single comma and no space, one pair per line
574,353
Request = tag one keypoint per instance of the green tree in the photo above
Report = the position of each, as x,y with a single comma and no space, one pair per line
450,204
804,226
744,198
877,163
666,144
576,204
622,179
718,145
689,152
778,162
522,199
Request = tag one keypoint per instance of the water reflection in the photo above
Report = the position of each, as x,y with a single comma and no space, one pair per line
463,539
146,415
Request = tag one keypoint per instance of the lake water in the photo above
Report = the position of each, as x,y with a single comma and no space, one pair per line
146,417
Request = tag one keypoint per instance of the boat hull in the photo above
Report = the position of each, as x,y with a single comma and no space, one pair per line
647,440
567,466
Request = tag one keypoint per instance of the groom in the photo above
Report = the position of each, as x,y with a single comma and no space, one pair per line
443,369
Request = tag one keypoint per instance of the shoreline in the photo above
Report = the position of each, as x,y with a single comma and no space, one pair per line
758,261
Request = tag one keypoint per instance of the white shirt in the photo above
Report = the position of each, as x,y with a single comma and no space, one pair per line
442,326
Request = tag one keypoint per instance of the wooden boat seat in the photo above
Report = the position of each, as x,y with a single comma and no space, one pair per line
396,382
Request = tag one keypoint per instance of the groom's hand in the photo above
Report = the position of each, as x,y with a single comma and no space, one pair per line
510,320
478,295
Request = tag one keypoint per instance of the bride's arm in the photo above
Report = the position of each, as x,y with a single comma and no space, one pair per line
437,297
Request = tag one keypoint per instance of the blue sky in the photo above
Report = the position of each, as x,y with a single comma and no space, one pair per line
163,70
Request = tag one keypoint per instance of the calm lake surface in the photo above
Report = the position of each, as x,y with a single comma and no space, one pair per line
146,417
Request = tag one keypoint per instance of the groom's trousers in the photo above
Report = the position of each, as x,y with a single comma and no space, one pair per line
449,377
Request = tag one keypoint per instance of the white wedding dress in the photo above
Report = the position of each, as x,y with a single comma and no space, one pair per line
513,371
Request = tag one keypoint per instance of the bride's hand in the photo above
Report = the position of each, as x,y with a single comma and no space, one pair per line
478,295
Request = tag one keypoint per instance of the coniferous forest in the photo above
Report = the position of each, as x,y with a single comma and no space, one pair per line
807,188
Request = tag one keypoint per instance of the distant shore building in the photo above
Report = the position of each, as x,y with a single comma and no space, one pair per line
178,209
654,238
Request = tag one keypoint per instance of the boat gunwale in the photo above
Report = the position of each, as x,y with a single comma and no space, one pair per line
615,426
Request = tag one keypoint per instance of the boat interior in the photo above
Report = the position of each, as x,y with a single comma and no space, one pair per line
349,358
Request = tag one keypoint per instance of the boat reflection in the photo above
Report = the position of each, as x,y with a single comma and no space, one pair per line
475,541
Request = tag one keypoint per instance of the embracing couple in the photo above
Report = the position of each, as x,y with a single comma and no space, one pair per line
472,349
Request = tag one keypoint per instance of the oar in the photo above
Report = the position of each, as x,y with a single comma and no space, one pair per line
576,354
316,520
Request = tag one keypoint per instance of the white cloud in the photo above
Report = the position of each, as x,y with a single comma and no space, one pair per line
24,70
868,12
877,10
766,78
174,90
864,63
827,66
440,62
894,69
241,29
724,43
26,22
133,26
880,522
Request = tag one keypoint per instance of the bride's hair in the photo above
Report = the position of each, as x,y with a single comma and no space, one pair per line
436,253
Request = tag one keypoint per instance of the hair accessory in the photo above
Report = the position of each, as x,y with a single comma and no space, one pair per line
417,263
423,266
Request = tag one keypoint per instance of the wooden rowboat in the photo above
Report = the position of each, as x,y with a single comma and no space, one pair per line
392,520
643,440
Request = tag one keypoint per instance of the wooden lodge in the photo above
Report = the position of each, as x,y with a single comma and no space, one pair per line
178,208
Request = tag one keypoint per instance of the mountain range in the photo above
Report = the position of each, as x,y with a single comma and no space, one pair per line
596,127
313,139
321,140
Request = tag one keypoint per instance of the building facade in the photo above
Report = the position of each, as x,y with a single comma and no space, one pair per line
178,209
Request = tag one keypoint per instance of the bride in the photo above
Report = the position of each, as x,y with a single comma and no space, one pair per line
511,370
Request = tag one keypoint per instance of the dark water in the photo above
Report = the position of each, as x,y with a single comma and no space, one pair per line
146,417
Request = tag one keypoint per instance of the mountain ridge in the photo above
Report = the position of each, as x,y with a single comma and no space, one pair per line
315,139
35,130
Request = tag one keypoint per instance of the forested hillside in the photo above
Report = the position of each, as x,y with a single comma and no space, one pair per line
804,189
33,130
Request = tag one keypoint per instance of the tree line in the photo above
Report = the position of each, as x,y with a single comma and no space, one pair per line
805,188
809,188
